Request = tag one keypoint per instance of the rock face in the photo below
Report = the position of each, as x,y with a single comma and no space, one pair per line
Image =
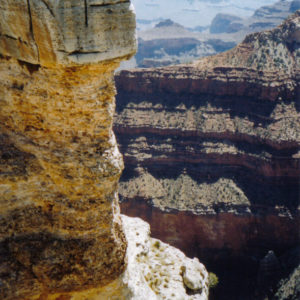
158,271
65,32
56,140
60,230
290,287
212,150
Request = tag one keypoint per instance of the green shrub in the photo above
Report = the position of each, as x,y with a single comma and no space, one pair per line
213,280
157,244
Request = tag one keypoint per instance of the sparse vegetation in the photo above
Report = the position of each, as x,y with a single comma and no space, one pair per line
213,280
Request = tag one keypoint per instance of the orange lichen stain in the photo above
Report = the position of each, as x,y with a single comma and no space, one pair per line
64,297
60,185
113,290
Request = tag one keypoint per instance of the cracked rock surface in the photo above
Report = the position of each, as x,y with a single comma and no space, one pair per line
60,229
64,32
157,270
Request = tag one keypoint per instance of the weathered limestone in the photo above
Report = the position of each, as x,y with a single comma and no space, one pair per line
59,172
64,32
159,271
60,229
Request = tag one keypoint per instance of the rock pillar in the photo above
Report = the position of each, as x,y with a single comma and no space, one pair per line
60,229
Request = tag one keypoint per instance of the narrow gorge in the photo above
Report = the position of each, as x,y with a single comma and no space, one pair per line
212,158
61,233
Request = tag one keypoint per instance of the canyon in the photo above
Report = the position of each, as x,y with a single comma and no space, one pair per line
171,41
212,158
61,233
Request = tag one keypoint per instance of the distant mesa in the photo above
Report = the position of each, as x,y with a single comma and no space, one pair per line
170,43
295,5
225,23
167,23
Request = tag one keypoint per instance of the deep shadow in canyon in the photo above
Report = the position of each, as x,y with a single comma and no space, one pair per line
232,245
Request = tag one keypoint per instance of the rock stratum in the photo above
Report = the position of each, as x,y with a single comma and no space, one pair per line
61,234
211,153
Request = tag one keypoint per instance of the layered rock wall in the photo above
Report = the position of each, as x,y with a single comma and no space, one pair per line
234,115
60,229
211,152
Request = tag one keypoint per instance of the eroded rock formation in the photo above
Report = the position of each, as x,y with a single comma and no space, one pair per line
212,150
60,229
61,235
159,271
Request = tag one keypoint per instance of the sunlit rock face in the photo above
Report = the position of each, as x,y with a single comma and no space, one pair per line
60,229
65,32
157,270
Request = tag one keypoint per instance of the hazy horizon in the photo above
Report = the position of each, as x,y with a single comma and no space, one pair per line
192,13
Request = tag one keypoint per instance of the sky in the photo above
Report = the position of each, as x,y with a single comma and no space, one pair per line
192,13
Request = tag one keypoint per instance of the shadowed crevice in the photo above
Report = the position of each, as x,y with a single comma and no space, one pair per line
86,13
49,8
31,29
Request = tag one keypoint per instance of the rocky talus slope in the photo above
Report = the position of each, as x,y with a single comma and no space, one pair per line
212,153
61,234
